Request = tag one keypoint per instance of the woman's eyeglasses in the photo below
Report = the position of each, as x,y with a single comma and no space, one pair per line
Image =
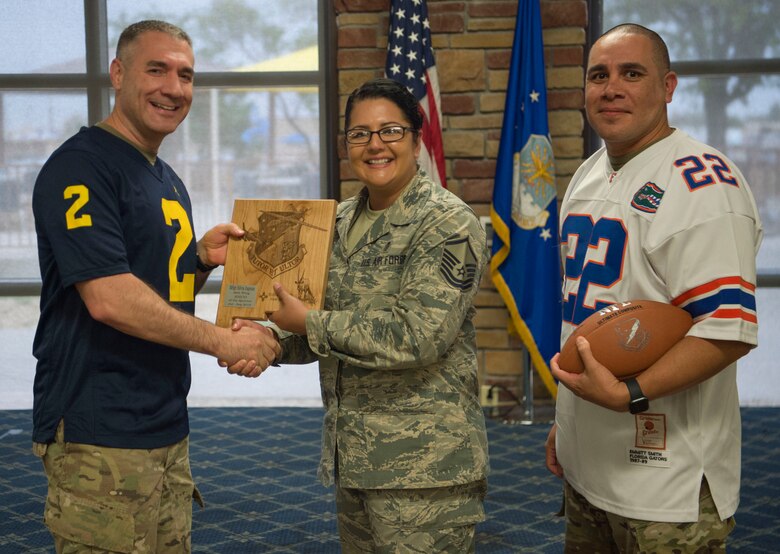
386,134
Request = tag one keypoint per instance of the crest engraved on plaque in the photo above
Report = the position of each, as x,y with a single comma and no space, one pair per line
275,245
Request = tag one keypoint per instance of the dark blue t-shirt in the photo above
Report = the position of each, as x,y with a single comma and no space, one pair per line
102,209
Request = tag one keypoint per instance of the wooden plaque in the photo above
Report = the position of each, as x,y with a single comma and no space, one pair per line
287,242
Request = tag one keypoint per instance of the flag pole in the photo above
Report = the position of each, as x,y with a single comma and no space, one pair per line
528,389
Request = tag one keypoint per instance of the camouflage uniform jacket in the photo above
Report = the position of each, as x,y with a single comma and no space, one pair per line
397,346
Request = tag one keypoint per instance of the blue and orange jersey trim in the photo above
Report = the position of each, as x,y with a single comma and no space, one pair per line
724,298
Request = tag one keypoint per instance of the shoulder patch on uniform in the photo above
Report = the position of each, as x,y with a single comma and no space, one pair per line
648,198
458,263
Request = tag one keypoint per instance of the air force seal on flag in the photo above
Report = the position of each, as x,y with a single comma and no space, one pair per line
533,183
458,263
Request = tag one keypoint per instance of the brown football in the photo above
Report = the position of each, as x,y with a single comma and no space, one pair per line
627,337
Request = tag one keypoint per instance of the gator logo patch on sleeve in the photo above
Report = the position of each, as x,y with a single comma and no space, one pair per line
648,198
458,263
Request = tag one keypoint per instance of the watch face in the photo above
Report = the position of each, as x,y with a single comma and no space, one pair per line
639,405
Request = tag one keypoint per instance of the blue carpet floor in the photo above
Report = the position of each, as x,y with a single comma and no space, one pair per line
256,468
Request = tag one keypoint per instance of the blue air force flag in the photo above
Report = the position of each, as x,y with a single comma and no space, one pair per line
525,265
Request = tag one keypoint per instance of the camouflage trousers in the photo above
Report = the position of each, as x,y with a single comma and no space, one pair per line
591,530
117,500
400,521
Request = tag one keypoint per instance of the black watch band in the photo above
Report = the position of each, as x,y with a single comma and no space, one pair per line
638,402
203,267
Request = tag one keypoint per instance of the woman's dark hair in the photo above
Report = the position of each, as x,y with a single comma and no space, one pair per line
391,90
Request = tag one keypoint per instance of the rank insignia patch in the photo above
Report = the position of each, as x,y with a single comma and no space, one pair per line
648,198
458,263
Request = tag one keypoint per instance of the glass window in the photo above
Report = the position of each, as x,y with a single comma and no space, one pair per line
233,35
246,144
45,36
696,30
34,124
17,329
757,372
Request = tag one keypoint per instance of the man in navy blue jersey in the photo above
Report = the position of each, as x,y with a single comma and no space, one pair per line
120,268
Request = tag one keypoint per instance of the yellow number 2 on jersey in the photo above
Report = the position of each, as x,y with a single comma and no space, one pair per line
184,290
72,220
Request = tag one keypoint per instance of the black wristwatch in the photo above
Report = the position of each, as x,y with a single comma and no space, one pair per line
639,402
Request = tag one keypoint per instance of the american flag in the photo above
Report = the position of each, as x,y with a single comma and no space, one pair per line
410,62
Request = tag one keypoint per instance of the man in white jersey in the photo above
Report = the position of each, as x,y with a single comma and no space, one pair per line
652,464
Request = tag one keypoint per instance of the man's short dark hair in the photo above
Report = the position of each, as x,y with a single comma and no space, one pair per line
132,32
391,90
660,50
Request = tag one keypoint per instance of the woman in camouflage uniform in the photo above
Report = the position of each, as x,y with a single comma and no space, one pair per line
404,434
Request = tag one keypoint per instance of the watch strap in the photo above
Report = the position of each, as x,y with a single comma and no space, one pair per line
634,390
638,402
